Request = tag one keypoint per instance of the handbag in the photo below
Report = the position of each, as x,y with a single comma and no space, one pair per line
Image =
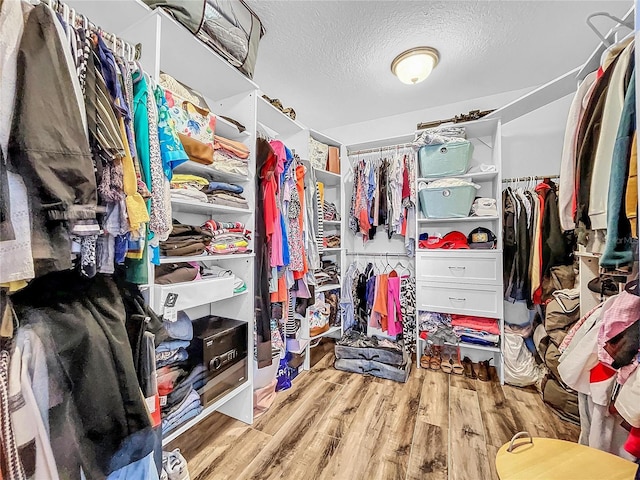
195,122
237,149
318,154
197,151
177,92
333,162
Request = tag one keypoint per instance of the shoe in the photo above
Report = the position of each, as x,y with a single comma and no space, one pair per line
175,465
425,359
435,361
482,370
467,365
163,474
456,367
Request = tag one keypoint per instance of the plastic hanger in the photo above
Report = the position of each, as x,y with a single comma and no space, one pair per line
602,38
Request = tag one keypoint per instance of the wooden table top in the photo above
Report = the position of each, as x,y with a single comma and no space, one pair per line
550,459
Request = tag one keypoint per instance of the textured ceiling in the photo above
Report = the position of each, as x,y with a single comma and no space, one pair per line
330,60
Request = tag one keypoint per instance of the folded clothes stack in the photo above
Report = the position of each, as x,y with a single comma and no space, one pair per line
332,241
230,158
213,238
196,188
328,275
185,240
174,350
476,330
188,187
430,322
227,237
179,400
330,211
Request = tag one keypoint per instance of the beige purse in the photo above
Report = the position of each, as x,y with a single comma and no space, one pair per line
318,154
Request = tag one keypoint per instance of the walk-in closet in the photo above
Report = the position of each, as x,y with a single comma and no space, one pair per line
307,240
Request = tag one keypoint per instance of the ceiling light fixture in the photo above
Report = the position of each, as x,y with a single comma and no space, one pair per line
414,65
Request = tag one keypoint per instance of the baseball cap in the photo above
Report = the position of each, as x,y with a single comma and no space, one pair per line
482,239
452,240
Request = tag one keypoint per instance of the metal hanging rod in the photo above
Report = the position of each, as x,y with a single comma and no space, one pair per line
367,254
381,149
76,19
524,179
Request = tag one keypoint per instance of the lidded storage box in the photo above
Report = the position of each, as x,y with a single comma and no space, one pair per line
447,201
445,159
229,27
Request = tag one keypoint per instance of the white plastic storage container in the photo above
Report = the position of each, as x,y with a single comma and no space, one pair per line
445,159
447,202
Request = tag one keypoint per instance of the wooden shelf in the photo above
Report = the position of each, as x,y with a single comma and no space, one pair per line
176,432
206,258
477,177
204,70
180,205
330,250
275,120
227,129
329,332
328,178
326,288
470,346
458,220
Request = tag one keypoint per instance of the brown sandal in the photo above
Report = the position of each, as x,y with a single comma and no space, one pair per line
425,359
456,366
435,361
447,361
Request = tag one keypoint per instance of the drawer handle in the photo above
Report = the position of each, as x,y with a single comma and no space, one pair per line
458,299
457,268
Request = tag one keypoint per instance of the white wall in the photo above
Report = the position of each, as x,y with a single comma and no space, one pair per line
531,145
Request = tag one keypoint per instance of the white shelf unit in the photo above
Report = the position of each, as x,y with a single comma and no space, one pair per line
466,281
441,275
170,48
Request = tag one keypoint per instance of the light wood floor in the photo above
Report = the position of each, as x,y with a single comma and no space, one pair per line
336,425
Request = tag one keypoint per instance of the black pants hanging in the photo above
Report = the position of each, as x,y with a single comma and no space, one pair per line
84,319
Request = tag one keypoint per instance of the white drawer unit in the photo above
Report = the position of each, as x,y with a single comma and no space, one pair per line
465,299
484,267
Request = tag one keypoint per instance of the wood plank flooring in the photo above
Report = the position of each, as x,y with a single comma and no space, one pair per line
336,425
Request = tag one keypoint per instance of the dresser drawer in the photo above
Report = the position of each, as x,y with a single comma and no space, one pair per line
465,267
478,300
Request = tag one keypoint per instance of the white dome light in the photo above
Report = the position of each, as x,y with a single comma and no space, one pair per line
414,65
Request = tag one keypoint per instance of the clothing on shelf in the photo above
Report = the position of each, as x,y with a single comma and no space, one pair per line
443,328
384,196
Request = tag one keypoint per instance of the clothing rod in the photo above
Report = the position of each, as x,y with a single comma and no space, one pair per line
76,19
380,149
524,179
367,254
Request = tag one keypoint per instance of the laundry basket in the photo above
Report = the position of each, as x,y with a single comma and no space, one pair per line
445,159
447,202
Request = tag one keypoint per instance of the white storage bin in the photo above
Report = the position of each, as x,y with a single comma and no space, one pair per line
193,294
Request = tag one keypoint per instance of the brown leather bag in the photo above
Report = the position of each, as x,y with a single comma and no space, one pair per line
196,150
333,162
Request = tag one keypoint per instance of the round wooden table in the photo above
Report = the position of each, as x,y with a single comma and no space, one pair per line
550,459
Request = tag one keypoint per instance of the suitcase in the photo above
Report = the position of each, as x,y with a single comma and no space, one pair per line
229,27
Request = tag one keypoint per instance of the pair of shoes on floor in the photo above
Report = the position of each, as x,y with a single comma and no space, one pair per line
174,466
481,370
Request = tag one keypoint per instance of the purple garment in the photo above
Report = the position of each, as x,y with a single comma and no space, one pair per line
394,312
371,292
